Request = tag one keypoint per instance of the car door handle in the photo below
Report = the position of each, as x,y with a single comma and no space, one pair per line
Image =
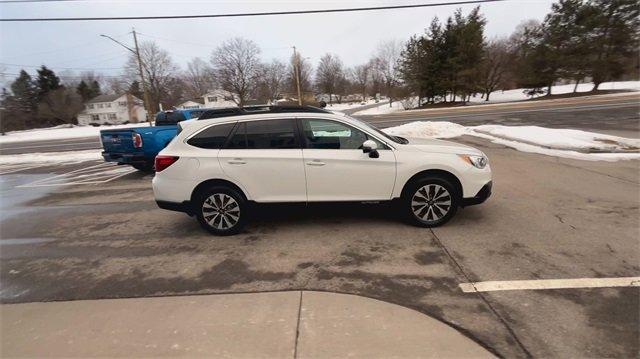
236,161
316,163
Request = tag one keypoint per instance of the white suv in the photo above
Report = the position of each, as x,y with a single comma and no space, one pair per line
215,167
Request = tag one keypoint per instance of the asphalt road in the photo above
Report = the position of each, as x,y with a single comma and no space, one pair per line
618,114
612,114
549,218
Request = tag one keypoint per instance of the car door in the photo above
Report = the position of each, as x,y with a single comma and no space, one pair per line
336,167
265,157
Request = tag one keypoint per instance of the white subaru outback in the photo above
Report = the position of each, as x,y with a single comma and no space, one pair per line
218,164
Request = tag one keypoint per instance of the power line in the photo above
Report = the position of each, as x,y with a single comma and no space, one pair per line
19,1
296,12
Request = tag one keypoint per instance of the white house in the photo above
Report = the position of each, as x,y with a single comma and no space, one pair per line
191,104
218,99
113,109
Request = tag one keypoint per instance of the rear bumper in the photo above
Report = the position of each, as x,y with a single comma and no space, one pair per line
184,207
125,158
480,197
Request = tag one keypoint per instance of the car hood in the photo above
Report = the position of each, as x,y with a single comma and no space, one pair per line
440,146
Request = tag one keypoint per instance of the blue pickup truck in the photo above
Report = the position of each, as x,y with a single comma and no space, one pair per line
138,146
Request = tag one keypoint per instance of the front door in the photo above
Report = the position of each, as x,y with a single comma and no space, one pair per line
338,170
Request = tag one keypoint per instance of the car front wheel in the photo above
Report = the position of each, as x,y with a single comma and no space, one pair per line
221,211
431,202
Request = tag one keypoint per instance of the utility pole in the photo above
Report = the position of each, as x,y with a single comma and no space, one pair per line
144,83
136,52
296,68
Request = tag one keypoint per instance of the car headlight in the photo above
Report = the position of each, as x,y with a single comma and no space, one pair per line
475,161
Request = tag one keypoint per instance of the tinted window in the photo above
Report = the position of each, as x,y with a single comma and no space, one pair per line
169,118
195,114
239,139
271,134
324,134
212,137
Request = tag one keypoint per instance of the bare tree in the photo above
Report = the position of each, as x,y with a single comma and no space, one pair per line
159,70
360,75
329,75
199,78
272,81
495,64
236,63
384,61
60,106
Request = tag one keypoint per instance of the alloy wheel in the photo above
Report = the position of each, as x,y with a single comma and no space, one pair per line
431,203
221,211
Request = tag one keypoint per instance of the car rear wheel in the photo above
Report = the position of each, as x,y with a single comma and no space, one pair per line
431,201
144,167
221,211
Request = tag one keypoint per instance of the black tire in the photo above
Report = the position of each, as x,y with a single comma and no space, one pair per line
217,207
144,167
435,211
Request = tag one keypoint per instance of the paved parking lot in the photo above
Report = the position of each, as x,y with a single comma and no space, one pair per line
93,231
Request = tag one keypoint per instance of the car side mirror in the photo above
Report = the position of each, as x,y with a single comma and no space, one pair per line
371,148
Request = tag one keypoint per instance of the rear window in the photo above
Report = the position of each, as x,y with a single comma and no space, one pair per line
169,118
268,134
212,137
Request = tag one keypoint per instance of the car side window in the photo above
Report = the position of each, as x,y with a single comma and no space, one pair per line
326,134
270,134
212,137
238,139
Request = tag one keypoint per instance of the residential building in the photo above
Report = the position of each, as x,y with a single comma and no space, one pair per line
112,110
218,99
192,104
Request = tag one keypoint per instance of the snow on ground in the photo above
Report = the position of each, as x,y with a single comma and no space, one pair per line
565,143
383,108
428,129
513,95
563,139
61,132
348,105
518,94
49,157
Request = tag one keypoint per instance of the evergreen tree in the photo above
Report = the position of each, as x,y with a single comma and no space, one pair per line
88,92
614,39
24,92
46,82
135,90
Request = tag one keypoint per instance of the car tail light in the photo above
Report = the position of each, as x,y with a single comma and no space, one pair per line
137,140
163,162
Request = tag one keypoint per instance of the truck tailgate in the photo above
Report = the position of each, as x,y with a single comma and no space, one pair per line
117,141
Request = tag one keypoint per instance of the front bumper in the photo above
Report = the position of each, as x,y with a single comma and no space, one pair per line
480,197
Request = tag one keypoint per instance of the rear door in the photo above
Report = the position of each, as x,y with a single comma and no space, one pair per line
265,157
338,170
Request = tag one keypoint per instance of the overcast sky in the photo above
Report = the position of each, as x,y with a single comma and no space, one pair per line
352,36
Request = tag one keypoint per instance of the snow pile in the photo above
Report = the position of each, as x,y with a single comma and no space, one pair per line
46,157
61,132
574,144
428,129
562,139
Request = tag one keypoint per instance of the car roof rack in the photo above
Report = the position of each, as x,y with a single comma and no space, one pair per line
254,110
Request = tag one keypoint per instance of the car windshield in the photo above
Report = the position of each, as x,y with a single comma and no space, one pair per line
396,139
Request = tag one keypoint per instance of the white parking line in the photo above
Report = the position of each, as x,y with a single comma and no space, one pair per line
539,284
97,174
